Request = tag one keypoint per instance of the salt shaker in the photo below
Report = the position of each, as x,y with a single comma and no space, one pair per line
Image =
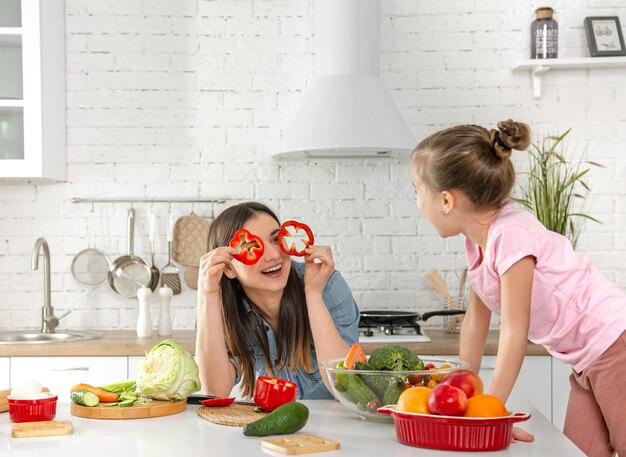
144,323
165,320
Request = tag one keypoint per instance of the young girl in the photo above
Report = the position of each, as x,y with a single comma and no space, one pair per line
275,317
531,277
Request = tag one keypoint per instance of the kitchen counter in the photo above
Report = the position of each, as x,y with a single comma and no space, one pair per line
126,343
187,434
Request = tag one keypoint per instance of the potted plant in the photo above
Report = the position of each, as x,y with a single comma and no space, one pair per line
553,186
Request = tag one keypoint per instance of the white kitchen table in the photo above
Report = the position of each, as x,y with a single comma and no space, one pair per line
187,435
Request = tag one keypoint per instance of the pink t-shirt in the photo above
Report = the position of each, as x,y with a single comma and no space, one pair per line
575,313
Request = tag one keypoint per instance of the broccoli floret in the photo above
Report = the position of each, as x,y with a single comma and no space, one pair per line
394,358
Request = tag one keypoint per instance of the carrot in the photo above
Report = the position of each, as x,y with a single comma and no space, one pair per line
103,395
355,354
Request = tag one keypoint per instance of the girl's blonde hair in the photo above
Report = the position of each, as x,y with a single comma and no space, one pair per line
472,159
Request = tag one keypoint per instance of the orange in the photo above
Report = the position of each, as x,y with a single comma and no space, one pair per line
414,400
485,405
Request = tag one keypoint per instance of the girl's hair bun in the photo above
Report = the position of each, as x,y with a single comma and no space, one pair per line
510,135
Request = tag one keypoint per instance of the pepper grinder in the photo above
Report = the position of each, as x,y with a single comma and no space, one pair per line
144,323
165,320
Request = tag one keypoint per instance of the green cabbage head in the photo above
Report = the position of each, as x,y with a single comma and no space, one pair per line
168,372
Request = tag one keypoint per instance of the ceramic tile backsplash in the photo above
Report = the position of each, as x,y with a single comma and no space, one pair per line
184,101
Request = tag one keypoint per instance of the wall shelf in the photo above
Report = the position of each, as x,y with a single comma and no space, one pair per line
538,67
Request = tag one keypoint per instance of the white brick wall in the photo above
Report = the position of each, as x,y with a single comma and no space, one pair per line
184,99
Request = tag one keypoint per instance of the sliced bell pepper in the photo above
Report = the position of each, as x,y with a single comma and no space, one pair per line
218,401
294,237
270,393
250,247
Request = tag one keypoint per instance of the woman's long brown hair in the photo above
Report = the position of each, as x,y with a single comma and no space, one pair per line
293,335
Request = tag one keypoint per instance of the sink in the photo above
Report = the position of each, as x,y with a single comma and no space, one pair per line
37,337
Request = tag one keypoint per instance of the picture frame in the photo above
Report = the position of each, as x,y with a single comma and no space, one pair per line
604,36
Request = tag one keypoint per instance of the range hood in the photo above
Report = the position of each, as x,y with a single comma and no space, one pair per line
347,112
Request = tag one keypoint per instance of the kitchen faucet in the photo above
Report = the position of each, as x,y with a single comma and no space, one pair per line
49,322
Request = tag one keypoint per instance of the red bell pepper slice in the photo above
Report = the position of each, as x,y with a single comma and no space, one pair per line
270,393
250,247
218,401
294,237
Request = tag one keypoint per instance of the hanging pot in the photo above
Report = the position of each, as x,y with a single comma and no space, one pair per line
129,272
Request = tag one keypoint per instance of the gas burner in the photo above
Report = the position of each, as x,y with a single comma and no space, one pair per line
408,332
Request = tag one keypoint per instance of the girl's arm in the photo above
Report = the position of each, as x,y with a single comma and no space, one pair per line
217,374
474,332
328,342
516,289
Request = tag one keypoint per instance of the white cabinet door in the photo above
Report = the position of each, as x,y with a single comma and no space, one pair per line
4,373
59,374
32,91
560,391
534,383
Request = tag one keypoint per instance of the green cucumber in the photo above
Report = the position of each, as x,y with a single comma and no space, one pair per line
85,398
392,393
287,418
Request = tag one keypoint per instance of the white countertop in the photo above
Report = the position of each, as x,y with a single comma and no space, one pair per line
188,435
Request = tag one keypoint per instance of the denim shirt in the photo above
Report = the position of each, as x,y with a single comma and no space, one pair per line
345,314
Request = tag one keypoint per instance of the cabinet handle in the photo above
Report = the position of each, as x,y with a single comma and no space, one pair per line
487,368
71,369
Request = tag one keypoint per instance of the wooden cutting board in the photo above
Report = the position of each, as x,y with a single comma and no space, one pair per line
42,428
156,408
300,444
235,415
4,403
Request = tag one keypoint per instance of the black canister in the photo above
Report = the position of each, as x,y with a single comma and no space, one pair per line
544,35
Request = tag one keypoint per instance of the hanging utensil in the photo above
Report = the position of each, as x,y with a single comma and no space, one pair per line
154,271
129,272
169,273
90,266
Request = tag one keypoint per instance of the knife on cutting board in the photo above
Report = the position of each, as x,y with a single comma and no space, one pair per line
194,399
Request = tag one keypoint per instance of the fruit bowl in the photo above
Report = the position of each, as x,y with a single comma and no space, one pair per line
364,391
42,409
453,433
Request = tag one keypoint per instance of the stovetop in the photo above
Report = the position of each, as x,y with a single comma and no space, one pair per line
393,331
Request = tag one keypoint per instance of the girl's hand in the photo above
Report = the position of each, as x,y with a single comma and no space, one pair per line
521,435
212,265
316,274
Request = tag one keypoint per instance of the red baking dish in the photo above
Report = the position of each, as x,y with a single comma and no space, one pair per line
43,409
453,433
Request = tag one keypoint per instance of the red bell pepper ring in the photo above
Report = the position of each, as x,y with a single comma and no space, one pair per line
294,233
218,401
270,393
250,247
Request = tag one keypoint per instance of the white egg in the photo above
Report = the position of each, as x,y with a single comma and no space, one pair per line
26,390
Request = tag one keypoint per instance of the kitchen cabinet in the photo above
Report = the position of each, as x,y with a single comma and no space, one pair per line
534,383
59,374
4,372
560,392
32,91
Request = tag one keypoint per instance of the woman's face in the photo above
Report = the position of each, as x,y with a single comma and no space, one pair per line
271,272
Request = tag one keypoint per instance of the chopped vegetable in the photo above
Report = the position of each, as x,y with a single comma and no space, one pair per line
250,247
270,393
218,401
120,387
294,237
103,395
84,397
355,354
168,372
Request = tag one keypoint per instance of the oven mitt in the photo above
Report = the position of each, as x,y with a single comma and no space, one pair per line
191,277
190,240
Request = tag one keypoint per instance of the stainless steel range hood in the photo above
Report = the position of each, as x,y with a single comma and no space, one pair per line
348,112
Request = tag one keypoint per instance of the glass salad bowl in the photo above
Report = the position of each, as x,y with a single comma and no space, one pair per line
364,391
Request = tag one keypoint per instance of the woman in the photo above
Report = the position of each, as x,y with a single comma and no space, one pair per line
275,317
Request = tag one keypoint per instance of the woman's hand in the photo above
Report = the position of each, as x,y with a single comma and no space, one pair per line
212,265
316,274
521,435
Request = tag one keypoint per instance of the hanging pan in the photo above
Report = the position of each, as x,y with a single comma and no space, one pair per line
129,272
